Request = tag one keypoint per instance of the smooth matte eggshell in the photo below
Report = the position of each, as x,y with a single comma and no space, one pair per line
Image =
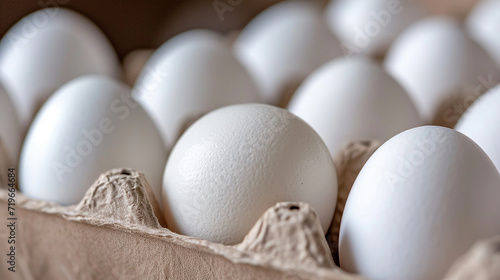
420,202
353,99
89,126
283,44
190,75
434,58
46,49
370,26
481,122
483,24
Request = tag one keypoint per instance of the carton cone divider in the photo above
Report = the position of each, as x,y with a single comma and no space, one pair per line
122,196
348,163
482,262
289,233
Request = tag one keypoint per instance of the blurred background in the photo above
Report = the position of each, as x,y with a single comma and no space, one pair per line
136,24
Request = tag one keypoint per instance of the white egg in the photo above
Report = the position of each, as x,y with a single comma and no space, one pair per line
283,44
370,26
347,100
433,58
188,76
10,133
191,37
46,49
481,122
234,163
420,202
89,126
483,24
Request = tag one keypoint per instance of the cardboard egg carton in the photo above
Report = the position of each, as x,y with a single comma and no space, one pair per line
117,232
113,233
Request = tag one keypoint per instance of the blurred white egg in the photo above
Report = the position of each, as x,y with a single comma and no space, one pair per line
347,100
483,24
234,163
188,76
89,126
481,122
46,49
434,58
370,26
10,133
283,44
420,202
191,37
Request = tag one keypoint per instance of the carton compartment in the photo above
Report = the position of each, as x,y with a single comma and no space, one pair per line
117,232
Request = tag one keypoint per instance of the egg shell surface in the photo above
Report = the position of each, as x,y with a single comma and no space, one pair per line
89,126
283,44
435,57
483,23
234,163
481,122
419,203
369,27
46,49
188,76
353,99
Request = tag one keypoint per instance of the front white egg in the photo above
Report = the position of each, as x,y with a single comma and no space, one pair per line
353,99
234,163
89,126
188,76
283,44
434,58
481,122
10,133
369,27
46,49
419,203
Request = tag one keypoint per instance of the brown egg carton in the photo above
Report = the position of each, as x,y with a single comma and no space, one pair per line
5,163
117,232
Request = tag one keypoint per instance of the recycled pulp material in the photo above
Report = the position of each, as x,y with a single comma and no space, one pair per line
482,262
113,234
4,164
454,106
288,91
348,164
133,64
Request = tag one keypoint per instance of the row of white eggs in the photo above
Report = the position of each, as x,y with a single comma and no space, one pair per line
237,161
